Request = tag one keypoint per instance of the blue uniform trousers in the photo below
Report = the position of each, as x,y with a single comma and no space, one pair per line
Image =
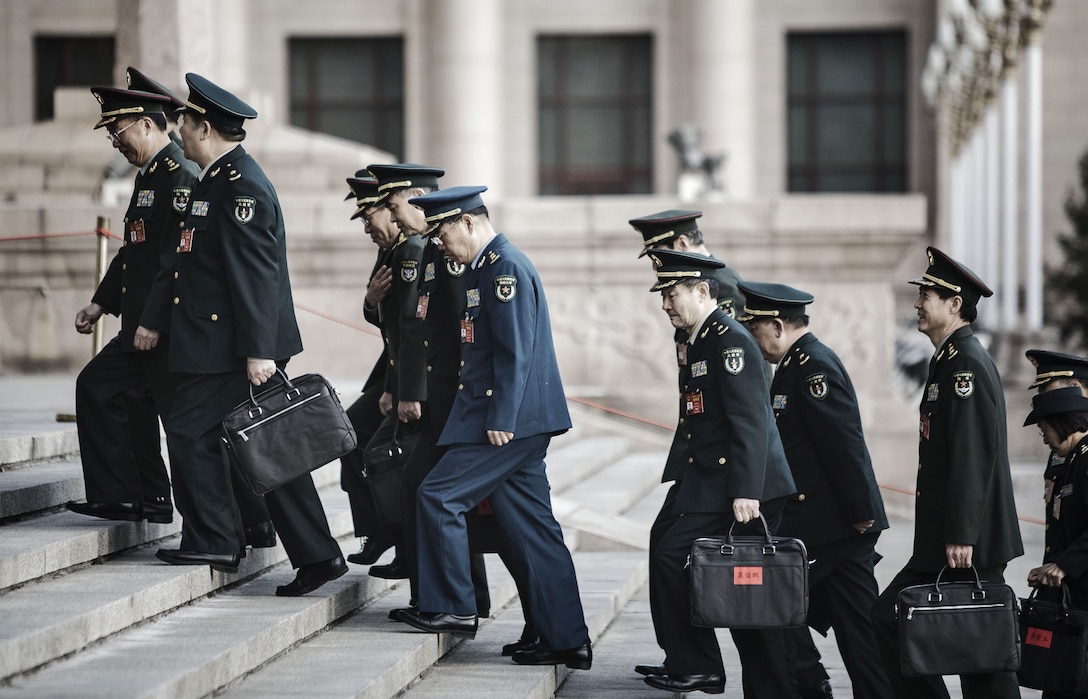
514,478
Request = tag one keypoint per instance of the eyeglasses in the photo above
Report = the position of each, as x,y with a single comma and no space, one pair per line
115,137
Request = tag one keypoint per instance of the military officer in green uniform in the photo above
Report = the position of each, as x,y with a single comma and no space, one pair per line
368,411
964,513
233,325
676,229
837,509
726,464
124,473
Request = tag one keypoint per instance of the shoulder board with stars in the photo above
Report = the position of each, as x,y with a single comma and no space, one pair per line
803,358
952,351
171,164
493,257
234,175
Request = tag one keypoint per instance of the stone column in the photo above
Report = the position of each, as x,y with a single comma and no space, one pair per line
720,56
16,63
166,39
462,72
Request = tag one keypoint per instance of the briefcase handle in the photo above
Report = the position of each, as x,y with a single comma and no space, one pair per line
255,409
977,594
1067,599
768,543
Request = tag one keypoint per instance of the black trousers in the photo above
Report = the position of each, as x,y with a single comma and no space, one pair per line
1000,685
203,488
119,398
842,591
366,418
693,650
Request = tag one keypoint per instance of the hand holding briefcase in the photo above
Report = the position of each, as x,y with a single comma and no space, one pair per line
1055,645
287,430
741,582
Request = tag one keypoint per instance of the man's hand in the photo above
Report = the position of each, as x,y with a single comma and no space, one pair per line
259,370
958,555
409,410
862,527
385,403
499,438
745,509
379,286
145,339
1050,575
87,317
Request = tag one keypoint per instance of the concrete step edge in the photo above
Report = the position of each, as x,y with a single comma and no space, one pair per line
43,486
48,444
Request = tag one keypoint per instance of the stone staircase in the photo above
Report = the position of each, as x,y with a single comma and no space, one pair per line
86,609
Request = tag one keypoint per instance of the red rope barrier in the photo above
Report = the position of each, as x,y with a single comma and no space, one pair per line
320,314
97,231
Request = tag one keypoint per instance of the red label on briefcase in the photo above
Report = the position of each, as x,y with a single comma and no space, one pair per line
748,575
1038,637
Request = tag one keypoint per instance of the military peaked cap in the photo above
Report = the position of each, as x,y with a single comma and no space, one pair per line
658,229
674,267
946,273
1056,402
765,300
117,103
365,191
1056,365
214,103
447,203
139,81
404,175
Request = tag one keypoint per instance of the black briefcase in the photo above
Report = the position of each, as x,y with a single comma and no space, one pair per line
957,628
286,431
745,582
1054,645
383,468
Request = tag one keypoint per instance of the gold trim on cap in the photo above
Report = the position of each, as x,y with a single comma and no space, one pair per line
126,110
941,282
678,275
1048,375
443,215
196,107
757,312
657,238
394,185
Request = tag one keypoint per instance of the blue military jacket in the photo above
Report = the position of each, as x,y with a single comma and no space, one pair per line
818,419
510,376
232,293
964,492
133,287
726,444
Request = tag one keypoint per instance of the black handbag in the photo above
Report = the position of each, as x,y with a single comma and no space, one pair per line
1054,651
957,628
383,468
741,582
286,431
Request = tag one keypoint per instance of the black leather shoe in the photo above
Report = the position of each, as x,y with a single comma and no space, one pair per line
261,535
710,684
819,691
312,576
580,658
651,669
391,571
395,614
460,625
223,562
371,550
520,645
122,511
159,510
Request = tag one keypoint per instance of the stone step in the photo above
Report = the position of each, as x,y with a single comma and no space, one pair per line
36,437
366,654
40,486
570,459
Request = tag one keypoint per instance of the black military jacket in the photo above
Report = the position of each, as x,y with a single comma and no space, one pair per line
232,293
132,287
818,419
730,297
726,444
1067,521
964,491
405,376
434,340
376,380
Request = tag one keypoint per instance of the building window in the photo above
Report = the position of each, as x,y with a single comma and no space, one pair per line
847,112
351,88
595,132
69,61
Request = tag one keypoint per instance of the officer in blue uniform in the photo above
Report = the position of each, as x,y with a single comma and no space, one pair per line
676,229
837,509
365,413
965,514
232,325
509,404
726,464
124,473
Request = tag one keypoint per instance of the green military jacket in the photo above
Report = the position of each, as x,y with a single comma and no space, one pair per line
726,444
964,491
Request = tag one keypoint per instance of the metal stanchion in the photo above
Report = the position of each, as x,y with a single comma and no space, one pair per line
102,235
